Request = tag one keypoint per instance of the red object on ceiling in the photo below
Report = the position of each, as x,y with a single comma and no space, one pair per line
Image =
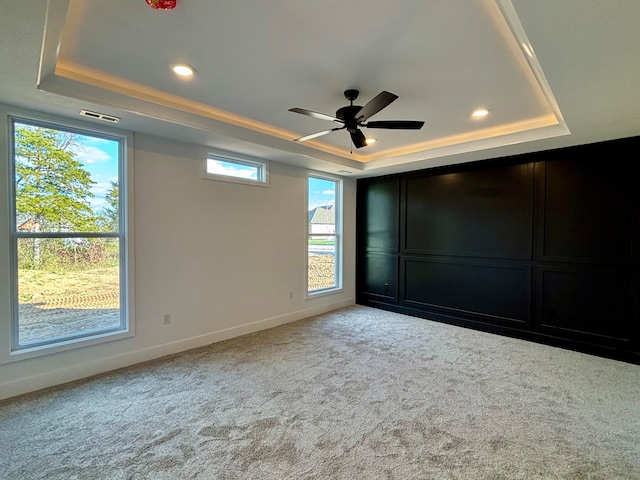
163,4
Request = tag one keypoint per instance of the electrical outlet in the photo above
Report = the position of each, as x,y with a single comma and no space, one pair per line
167,318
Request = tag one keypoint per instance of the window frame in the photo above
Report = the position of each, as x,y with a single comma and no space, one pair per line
10,350
338,236
262,167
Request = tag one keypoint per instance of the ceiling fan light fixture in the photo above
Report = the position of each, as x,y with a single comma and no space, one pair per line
371,140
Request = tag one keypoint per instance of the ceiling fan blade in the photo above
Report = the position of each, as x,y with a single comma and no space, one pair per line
321,116
375,105
395,124
317,134
359,140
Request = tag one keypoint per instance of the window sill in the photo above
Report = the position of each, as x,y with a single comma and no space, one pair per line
323,293
227,179
63,346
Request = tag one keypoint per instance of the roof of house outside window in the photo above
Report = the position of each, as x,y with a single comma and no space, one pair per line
322,215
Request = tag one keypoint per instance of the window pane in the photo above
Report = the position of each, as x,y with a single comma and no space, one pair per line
322,262
323,234
233,169
65,181
67,287
67,241
322,202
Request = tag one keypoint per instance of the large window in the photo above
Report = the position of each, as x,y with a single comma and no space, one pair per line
68,236
324,240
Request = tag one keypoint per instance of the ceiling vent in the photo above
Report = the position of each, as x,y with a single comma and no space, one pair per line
99,116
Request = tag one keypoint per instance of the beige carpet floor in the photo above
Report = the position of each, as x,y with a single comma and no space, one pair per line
353,394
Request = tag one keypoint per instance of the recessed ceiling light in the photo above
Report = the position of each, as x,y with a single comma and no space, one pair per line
480,113
183,70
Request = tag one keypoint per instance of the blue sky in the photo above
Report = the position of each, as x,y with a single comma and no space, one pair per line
321,192
232,169
100,158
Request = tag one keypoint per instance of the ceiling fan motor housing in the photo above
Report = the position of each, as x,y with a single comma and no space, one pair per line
348,116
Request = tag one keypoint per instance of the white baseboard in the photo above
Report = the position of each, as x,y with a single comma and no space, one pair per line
88,369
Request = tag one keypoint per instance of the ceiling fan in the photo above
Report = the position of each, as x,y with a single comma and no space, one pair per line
353,116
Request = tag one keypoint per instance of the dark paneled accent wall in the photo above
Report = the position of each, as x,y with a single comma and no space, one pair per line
541,246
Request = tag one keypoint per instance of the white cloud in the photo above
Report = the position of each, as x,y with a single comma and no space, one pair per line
230,170
89,154
97,204
100,189
328,192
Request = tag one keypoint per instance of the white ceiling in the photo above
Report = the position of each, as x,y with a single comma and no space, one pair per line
552,73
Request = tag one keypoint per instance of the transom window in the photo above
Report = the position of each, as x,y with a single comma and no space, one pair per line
237,170
68,235
324,234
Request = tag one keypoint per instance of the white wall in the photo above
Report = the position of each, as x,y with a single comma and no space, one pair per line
221,258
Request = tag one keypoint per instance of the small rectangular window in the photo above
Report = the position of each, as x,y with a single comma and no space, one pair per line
237,170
